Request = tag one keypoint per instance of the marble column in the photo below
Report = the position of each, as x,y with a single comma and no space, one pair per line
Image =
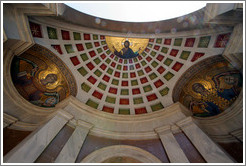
207,148
34,144
8,120
173,150
72,147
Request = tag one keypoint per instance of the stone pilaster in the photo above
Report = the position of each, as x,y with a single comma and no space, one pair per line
71,149
207,148
172,148
33,145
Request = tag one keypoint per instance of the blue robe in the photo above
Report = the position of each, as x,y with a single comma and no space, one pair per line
227,94
128,54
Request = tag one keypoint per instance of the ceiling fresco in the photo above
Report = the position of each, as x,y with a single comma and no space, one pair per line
41,78
134,84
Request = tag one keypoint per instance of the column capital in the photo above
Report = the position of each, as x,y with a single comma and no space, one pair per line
163,129
84,124
168,129
72,147
171,146
80,123
32,146
64,114
175,129
185,122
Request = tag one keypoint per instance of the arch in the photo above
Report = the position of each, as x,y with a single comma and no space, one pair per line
130,153
209,87
41,77
14,101
190,72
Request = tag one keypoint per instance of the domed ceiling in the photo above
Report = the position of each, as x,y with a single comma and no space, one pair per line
116,79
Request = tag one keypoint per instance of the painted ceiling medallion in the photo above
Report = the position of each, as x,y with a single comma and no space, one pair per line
126,48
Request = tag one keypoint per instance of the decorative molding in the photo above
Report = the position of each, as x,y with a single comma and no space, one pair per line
84,125
238,134
5,38
23,10
120,127
175,129
185,122
74,27
185,110
72,102
20,13
129,135
234,49
103,154
118,135
23,25
223,138
22,126
42,9
64,114
72,123
235,44
79,123
163,130
18,47
217,13
239,6
8,120
211,11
